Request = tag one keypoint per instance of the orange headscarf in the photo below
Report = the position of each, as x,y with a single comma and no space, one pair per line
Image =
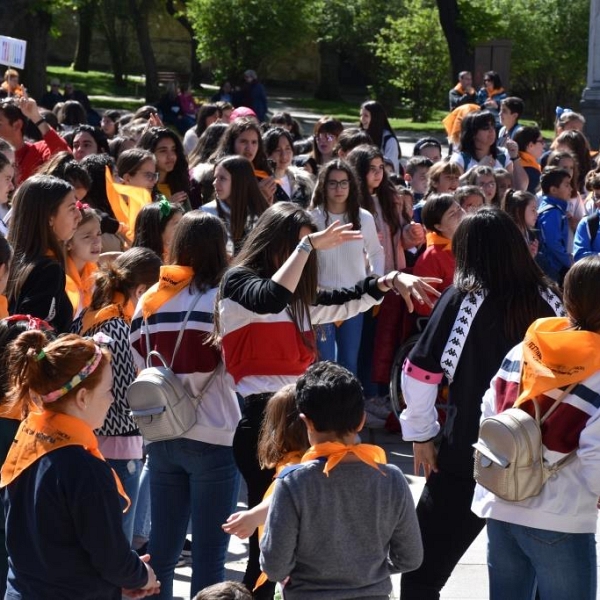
173,279
556,355
119,309
528,160
41,433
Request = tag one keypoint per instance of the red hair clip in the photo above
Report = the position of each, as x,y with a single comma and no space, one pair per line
81,205
32,322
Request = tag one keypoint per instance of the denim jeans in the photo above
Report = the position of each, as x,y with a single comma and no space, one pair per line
189,477
129,471
141,522
341,344
563,565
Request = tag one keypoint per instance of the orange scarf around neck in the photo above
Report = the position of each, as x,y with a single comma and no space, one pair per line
3,307
435,239
119,309
79,286
494,92
40,434
556,355
528,160
173,279
335,452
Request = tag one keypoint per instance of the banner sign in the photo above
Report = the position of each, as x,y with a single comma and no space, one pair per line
12,52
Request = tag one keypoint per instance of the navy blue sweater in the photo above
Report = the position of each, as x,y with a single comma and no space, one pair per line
64,531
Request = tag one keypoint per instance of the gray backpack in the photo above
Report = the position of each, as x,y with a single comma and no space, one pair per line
160,404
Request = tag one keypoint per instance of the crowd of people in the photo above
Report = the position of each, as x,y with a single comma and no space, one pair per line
277,274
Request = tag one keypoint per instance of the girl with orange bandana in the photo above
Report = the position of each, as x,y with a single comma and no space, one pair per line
63,529
118,285
83,253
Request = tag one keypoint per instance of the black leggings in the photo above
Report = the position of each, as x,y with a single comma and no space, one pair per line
448,528
245,444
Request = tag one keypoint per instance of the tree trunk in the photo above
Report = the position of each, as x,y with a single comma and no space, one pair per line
85,19
115,26
195,65
329,79
461,54
139,11
20,19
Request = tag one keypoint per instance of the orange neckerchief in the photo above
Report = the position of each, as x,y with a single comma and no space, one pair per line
460,89
173,279
119,309
3,307
41,433
260,174
435,239
556,355
528,160
336,451
79,287
492,93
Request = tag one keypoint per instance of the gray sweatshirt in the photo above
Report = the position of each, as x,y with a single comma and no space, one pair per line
339,537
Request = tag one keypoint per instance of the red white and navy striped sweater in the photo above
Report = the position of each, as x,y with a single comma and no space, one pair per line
218,413
262,347
567,502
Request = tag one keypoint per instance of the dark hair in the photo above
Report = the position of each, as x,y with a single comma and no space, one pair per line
580,146
282,430
246,201
136,266
64,166
354,201
11,111
274,237
199,242
351,138
554,159
360,159
98,135
271,139
379,123
491,255
418,162
527,135
117,145
72,113
463,192
325,125
207,144
331,397
6,252
553,177
281,119
226,146
30,235
204,112
131,161
227,590
494,77
151,223
178,179
95,165
514,204
471,124
63,359
581,292
434,209
514,105
426,142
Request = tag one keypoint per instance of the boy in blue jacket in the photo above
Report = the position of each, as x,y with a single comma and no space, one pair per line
553,256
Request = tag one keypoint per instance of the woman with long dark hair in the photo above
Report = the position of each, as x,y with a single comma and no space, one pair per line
267,304
374,120
498,292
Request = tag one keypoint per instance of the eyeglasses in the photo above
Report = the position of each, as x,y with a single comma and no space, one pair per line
326,136
150,175
344,184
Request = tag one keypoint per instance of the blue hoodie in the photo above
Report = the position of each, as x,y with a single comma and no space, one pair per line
553,256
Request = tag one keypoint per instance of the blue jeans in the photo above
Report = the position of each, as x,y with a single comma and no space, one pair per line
141,522
188,477
129,471
561,565
345,339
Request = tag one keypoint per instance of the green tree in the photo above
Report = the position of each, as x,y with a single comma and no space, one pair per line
235,35
415,57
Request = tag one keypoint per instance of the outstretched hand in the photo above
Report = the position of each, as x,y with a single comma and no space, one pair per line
241,524
411,286
333,236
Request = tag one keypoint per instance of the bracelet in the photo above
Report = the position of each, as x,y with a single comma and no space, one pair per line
303,245
388,285
310,242
38,123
